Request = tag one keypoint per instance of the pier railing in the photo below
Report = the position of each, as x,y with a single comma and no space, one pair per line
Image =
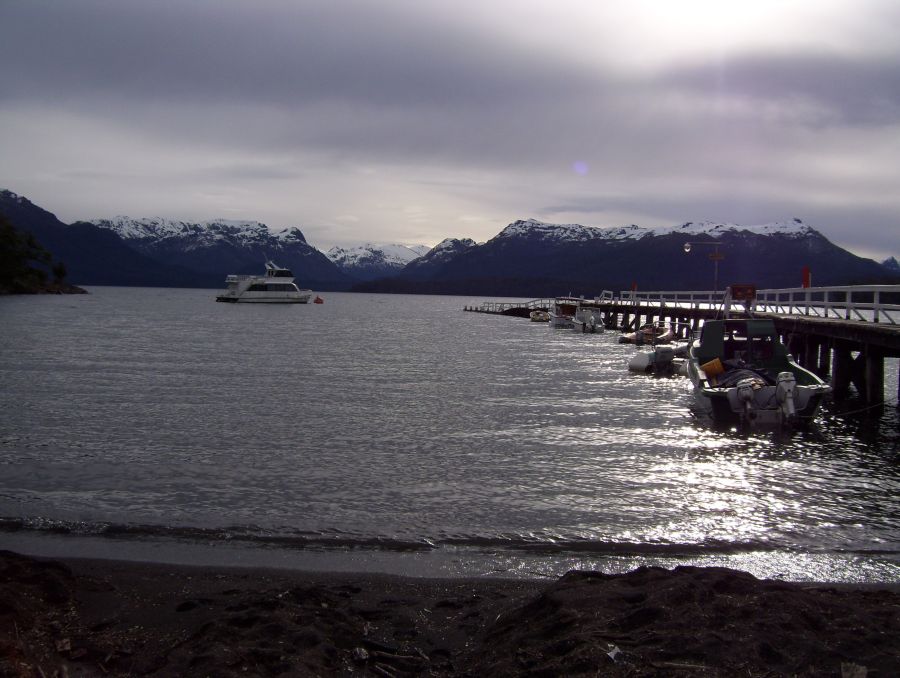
501,306
866,303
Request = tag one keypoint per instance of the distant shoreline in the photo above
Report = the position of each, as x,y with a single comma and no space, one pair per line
49,288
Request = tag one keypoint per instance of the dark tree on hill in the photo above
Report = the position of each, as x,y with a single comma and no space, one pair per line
22,260
59,272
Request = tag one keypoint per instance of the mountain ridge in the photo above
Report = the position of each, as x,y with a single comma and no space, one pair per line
93,256
527,258
222,246
574,257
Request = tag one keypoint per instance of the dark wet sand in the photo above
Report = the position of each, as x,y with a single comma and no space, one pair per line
113,618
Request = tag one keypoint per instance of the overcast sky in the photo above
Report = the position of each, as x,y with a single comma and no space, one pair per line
413,120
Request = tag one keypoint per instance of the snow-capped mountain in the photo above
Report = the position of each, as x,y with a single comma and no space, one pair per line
531,257
223,246
374,260
442,253
795,228
533,229
540,230
92,256
154,230
527,258
446,249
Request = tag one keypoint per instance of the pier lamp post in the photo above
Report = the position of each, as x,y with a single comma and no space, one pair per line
715,257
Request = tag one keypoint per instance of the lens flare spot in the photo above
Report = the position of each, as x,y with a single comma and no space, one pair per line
580,167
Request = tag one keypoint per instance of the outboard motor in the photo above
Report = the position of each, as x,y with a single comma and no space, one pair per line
745,393
784,393
663,357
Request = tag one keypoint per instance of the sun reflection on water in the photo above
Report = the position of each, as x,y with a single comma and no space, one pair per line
480,429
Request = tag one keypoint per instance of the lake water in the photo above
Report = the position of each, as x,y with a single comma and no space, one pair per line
401,434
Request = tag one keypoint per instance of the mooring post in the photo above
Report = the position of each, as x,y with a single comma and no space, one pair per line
824,358
874,375
797,347
842,371
810,352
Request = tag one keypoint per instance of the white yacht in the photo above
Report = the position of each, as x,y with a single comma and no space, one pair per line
277,286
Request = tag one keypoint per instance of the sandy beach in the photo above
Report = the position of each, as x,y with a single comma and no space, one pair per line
99,618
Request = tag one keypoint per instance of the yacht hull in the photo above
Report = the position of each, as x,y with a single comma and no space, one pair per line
277,286
245,299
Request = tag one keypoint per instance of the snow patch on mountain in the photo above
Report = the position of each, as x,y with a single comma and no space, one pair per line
534,229
153,231
157,228
388,254
370,261
795,228
540,230
6,194
444,251
449,247
290,236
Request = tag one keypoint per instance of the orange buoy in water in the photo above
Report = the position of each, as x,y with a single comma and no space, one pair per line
318,300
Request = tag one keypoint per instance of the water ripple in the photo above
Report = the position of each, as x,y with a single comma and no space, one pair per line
401,418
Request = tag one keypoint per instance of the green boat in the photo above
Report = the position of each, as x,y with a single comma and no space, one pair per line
743,374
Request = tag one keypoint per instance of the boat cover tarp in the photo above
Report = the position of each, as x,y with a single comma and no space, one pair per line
735,370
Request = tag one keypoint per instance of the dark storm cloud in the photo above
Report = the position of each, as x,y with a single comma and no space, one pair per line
362,79
388,80
377,106
290,54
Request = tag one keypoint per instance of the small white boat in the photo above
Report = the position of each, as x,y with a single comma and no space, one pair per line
587,321
539,316
662,361
277,286
649,334
561,322
563,313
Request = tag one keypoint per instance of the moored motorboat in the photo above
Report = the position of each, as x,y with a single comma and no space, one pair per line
661,361
743,374
539,316
276,286
561,317
651,333
587,320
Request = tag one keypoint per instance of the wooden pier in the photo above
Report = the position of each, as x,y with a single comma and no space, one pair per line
518,309
842,333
